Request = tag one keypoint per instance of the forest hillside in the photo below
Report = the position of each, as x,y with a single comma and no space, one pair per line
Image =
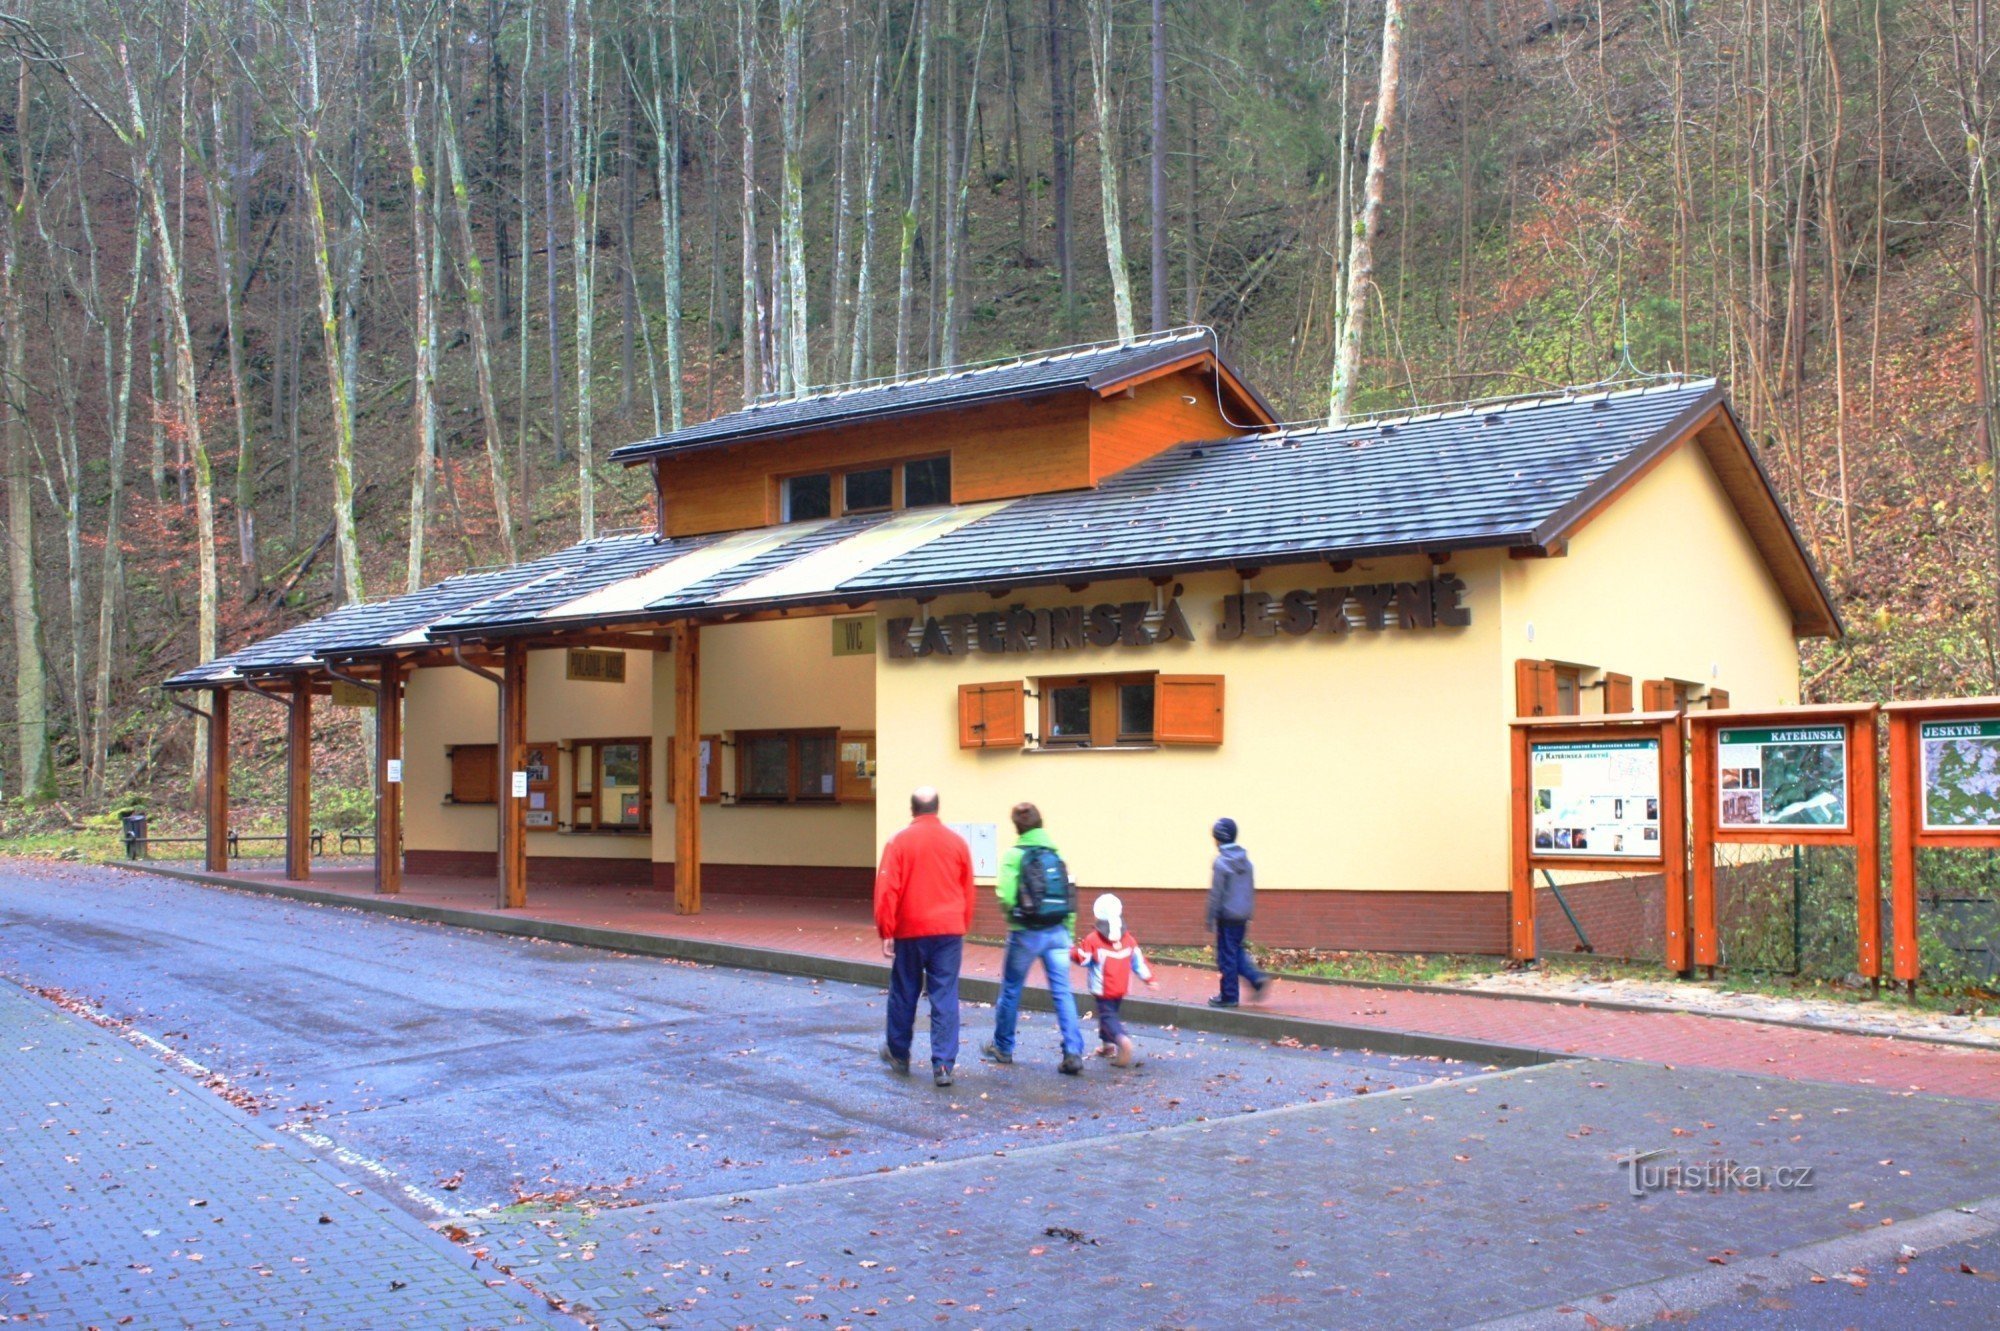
308,300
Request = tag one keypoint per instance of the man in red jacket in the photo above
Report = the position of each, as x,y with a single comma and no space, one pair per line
923,910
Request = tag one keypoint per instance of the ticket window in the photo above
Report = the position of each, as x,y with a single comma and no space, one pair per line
611,783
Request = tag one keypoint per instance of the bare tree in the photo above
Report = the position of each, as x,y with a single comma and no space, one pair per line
1361,254
1099,12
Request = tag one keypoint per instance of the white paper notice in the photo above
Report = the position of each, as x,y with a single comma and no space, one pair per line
520,785
395,773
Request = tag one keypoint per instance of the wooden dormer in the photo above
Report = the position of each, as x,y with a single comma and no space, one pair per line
1062,422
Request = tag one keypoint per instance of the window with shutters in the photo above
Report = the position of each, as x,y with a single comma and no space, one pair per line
1666,695
1128,710
475,773
787,766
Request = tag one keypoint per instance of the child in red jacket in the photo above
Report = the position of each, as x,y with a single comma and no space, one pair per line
1110,957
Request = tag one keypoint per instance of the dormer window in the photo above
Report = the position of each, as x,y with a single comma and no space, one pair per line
868,491
874,488
808,497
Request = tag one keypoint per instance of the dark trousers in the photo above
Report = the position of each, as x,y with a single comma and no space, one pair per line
1110,1029
1232,958
920,964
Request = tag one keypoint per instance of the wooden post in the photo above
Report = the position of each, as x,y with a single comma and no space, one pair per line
513,760
687,769
1521,880
389,779
1864,781
1905,811
1673,844
1701,885
298,783
216,797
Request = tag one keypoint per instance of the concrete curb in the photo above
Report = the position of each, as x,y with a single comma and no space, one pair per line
1247,1022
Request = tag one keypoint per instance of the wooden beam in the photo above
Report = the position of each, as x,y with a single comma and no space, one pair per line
687,773
513,759
216,797
389,780
298,784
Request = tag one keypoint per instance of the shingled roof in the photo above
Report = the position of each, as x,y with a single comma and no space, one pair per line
1098,366
1513,474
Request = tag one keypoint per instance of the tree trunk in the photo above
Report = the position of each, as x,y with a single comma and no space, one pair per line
746,83
425,413
472,276
347,542
1160,316
905,293
1099,12
791,21
1361,254
583,251
31,692
1059,161
217,178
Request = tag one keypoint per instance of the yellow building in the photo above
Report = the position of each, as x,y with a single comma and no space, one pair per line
1101,580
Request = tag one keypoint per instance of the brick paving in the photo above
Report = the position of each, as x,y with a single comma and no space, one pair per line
843,930
130,1196
1440,1206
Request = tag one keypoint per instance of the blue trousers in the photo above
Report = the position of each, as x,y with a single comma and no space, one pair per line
1109,1027
1232,958
919,964
1051,947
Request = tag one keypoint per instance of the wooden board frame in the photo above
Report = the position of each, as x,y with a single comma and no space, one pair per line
1670,863
1863,830
1907,833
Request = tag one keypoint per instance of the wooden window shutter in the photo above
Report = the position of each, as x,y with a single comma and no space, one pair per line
1718,699
1660,695
1617,693
475,773
714,782
1187,709
992,716
1534,688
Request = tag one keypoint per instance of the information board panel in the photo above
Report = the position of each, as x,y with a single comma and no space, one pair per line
1782,777
1596,799
1961,774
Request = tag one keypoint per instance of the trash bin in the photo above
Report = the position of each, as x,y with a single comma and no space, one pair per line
134,823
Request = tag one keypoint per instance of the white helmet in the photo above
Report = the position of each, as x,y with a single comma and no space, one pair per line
1110,913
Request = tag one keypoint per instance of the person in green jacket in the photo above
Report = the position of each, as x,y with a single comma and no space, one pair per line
1045,936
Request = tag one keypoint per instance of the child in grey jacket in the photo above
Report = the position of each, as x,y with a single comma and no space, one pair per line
1231,888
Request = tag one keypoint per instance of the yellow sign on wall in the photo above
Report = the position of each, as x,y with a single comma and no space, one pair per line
352,695
596,665
854,637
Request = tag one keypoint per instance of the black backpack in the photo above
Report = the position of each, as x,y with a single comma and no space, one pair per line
1042,894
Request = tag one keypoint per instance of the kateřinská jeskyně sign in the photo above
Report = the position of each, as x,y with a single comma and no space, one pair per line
1436,602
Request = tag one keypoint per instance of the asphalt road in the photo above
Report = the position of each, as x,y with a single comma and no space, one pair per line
657,1144
510,1067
